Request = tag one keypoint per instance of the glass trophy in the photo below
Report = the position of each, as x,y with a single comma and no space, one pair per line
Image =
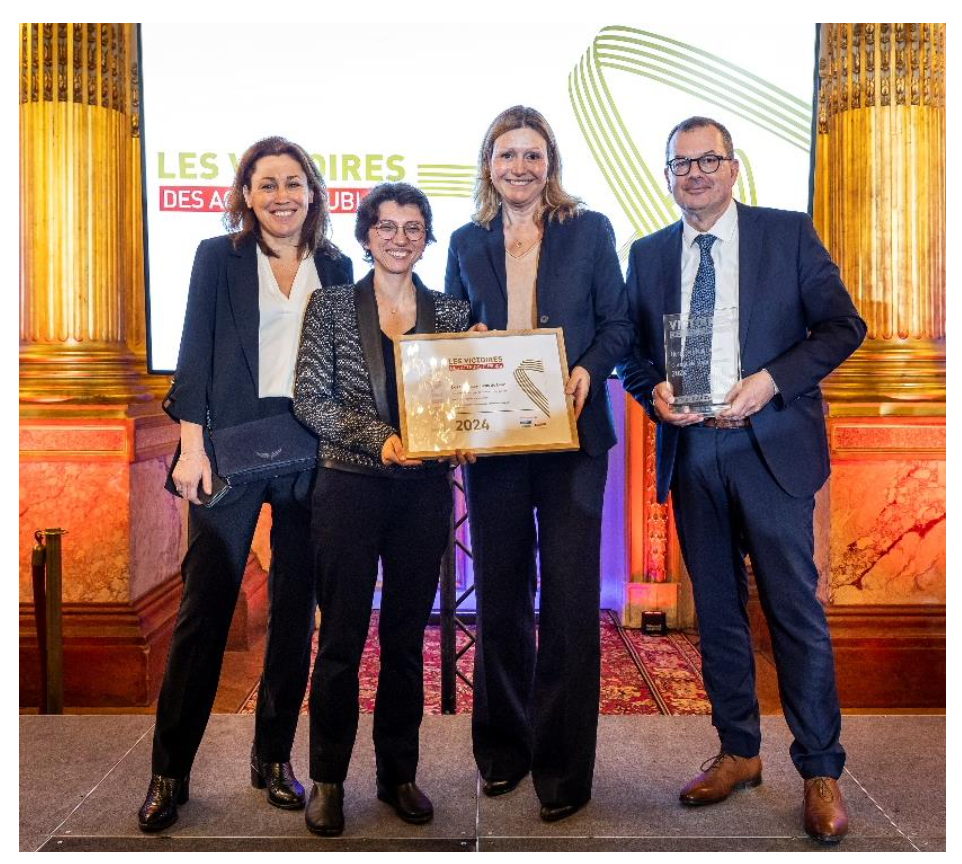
702,360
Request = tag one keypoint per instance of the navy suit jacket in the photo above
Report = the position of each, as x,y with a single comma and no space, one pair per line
795,319
580,289
217,368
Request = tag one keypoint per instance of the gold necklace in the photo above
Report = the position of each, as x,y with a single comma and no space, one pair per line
394,309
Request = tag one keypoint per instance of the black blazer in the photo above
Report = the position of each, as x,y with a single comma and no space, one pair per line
217,368
795,319
340,389
580,289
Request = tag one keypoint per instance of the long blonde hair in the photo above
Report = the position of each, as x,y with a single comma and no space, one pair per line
556,202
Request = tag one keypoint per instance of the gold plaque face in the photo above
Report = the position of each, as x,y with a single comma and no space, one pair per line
493,392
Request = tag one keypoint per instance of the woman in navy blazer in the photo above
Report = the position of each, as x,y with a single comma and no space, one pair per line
533,257
231,370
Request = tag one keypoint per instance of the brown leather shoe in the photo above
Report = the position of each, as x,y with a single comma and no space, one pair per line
826,818
721,775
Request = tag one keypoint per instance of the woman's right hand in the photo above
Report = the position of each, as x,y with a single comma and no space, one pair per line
192,470
392,453
193,466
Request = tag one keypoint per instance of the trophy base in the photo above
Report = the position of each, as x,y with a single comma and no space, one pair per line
704,409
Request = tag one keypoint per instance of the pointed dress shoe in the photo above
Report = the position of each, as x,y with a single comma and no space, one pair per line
494,788
159,809
325,809
557,812
409,802
721,775
283,790
826,818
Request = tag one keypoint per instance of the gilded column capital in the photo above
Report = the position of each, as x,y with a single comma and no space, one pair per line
81,280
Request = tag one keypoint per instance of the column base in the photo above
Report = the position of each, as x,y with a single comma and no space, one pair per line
85,373
115,653
884,371
886,657
881,521
650,597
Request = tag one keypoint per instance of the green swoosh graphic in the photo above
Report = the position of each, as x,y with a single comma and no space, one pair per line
685,68
447,180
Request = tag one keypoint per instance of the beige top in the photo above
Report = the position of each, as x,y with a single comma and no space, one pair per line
522,288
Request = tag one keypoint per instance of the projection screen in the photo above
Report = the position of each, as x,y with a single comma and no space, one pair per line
373,103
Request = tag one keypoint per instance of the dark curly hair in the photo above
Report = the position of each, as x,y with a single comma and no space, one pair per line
240,220
399,193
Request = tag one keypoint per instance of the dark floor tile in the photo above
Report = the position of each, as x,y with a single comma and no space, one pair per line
643,762
254,844
32,842
686,844
223,804
895,790
900,762
62,759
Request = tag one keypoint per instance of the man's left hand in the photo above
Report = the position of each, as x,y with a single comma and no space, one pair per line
579,382
749,396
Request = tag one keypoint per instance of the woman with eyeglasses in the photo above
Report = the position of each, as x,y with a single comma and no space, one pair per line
372,502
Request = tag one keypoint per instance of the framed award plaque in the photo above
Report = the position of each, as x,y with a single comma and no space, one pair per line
493,392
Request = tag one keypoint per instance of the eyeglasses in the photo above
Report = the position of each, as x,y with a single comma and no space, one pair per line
709,164
414,231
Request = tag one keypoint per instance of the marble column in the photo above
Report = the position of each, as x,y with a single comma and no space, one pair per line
94,444
880,209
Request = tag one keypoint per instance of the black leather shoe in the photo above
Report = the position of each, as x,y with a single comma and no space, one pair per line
325,809
159,809
557,812
494,788
283,790
409,802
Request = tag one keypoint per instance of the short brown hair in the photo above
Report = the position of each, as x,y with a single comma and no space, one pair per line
240,220
402,194
700,123
557,203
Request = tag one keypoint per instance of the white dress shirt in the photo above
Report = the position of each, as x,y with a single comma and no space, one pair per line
724,255
282,318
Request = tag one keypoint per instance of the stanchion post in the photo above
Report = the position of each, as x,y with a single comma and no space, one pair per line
38,571
54,604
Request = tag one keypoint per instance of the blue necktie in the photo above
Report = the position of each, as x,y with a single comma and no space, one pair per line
697,359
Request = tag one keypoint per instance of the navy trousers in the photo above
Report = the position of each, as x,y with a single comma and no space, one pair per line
219,542
728,504
537,708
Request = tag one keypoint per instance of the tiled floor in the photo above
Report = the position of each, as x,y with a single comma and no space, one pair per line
82,779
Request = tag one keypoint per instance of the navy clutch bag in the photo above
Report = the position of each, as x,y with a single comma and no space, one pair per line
262,449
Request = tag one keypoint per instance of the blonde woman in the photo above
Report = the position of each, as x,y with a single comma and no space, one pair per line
533,256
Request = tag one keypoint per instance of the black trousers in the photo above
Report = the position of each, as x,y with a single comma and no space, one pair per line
359,518
537,709
219,542
728,504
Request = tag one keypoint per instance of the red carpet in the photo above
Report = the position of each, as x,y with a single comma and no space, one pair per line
639,674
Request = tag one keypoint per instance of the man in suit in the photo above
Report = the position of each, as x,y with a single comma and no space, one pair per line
744,480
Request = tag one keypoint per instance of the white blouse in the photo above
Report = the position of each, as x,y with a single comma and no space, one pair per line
282,318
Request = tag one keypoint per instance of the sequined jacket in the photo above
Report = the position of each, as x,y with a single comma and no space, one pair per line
340,388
